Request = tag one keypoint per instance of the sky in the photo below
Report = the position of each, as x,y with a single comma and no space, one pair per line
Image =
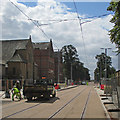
58,21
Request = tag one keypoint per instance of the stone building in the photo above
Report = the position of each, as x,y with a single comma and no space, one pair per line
2,69
44,58
18,59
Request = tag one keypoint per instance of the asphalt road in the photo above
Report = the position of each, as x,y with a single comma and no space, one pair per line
78,102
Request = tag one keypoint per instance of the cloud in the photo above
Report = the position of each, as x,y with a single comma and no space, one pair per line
16,25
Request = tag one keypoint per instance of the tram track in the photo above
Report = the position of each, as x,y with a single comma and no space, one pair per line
66,104
85,107
13,105
50,117
21,111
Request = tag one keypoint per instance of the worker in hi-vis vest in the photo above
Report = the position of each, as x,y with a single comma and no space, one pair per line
16,91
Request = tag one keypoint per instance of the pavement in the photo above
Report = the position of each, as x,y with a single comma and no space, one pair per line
2,93
112,111
67,87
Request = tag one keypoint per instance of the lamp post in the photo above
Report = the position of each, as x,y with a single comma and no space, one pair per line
58,65
106,60
106,66
100,69
71,72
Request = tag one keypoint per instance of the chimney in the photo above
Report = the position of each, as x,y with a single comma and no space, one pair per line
51,40
30,37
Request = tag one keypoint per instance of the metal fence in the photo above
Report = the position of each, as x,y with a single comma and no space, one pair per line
112,90
115,95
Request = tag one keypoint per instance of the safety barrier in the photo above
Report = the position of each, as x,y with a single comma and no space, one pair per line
112,89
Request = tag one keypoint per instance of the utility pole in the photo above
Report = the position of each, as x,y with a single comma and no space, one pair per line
71,72
58,65
106,66
100,69
106,61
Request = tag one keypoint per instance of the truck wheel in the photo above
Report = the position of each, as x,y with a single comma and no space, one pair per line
29,98
53,95
47,97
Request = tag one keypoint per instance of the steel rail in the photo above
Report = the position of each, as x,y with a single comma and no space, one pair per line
85,107
12,105
21,111
66,104
24,101
25,109
61,94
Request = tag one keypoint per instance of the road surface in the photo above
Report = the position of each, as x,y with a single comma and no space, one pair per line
79,102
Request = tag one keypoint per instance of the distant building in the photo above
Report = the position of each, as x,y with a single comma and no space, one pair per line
58,67
17,59
44,58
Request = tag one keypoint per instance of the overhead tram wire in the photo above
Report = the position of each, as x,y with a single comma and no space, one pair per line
46,24
36,24
67,20
81,29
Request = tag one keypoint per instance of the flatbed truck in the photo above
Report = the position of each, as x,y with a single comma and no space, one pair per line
41,88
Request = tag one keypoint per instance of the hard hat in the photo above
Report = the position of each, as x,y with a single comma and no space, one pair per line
18,81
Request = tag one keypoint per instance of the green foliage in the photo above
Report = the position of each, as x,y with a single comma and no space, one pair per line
115,32
70,57
100,70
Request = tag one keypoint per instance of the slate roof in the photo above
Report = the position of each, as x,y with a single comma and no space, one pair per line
42,45
17,58
10,46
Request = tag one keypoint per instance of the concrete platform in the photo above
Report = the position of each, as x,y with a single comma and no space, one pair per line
108,105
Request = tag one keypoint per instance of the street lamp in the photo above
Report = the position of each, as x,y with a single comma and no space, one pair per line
71,72
106,60
106,65
100,69
58,65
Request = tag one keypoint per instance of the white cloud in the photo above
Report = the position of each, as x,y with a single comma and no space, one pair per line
16,25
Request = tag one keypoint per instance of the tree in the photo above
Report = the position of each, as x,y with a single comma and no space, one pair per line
70,58
100,70
115,32
101,63
69,54
96,74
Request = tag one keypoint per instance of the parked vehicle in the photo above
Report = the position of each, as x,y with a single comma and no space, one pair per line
83,83
41,88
